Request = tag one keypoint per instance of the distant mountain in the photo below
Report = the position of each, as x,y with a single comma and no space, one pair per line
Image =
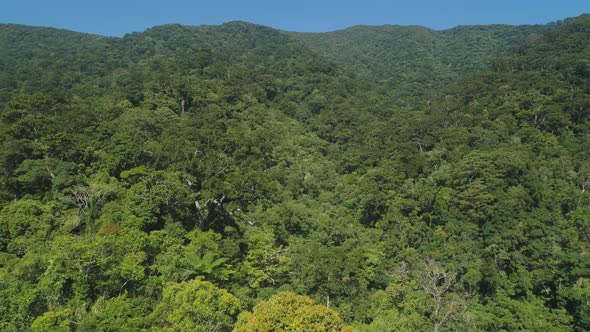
401,61
46,59
409,61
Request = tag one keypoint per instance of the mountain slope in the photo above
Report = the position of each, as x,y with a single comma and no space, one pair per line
498,169
200,136
140,175
409,61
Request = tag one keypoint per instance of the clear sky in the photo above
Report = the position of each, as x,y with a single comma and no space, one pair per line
117,17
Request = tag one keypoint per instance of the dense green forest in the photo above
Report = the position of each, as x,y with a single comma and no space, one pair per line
238,177
408,62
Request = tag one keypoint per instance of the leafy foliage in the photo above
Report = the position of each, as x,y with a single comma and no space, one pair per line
287,311
171,179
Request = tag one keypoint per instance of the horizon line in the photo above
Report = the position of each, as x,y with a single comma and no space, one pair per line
291,31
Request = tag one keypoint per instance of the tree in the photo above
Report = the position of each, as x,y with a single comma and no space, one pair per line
420,299
59,321
287,311
438,282
195,305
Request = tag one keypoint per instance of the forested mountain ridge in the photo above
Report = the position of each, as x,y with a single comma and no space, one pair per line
407,61
178,178
33,52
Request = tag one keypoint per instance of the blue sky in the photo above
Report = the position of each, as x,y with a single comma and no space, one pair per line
117,17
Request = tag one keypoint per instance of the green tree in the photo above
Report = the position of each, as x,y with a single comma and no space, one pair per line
195,306
288,311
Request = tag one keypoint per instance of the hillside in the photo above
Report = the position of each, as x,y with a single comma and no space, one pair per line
195,178
407,62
